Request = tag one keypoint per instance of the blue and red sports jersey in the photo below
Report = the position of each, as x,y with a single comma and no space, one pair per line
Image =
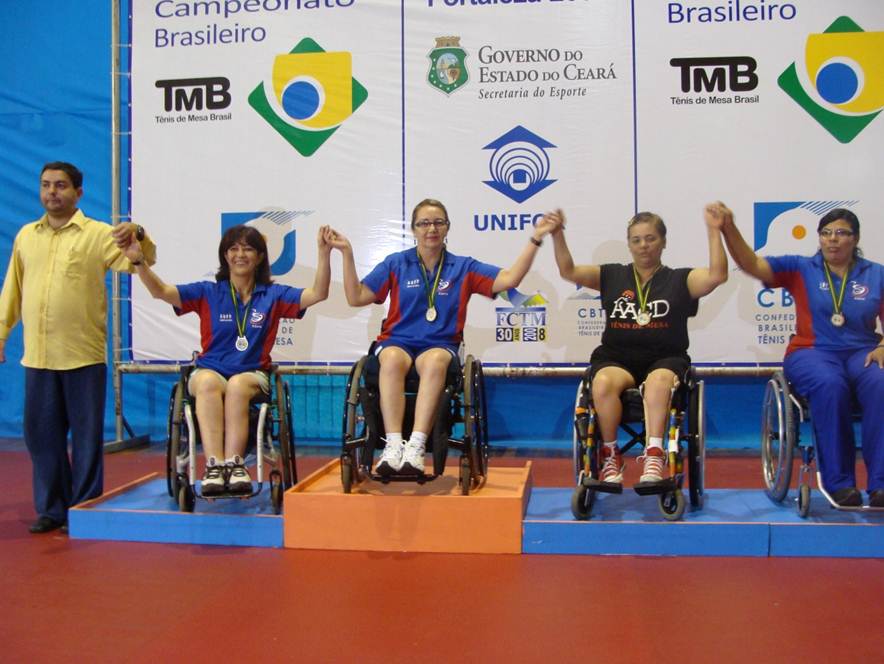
805,278
400,277
218,330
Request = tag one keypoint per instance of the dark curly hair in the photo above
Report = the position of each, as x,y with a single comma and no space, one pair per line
246,235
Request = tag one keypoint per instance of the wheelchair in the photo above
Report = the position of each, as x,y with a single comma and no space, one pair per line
686,438
460,423
783,413
271,440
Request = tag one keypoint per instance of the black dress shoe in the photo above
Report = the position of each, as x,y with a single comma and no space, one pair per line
44,525
64,528
876,498
849,496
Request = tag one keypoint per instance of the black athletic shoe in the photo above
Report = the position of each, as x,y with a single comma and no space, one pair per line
876,498
849,496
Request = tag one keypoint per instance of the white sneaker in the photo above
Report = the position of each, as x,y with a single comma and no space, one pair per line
391,459
238,479
213,482
413,458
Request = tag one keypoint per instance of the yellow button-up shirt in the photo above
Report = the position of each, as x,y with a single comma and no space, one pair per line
55,284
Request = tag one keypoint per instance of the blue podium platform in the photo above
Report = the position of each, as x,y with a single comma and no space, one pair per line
733,522
143,512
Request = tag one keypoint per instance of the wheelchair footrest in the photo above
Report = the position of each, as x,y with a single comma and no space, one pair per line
656,488
419,478
602,487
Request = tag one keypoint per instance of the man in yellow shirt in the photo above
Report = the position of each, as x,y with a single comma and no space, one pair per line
55,285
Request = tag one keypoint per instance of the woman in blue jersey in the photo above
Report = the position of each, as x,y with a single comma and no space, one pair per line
835,353
429,288
239,314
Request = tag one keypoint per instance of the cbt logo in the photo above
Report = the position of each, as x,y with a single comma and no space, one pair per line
277,227
790,227
842,85
786,227
310,93
448,71
524,321
519,164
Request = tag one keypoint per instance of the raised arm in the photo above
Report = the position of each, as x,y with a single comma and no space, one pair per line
319,290
703,280
154,285
513,275
746,259
358,295
582,275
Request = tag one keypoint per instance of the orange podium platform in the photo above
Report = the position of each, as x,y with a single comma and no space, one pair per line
406,516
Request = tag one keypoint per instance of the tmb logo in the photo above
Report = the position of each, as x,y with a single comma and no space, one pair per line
195,94
736,74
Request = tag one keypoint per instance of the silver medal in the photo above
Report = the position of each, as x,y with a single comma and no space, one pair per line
241,343
431,314
643,318
837,319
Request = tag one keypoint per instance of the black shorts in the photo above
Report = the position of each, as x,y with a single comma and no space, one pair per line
637,364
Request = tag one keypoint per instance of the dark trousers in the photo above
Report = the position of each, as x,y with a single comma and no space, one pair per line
830,380
58,402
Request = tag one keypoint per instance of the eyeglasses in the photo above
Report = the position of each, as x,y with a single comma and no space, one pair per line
838,232
424,224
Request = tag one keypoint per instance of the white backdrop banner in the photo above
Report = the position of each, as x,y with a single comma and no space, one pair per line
291,114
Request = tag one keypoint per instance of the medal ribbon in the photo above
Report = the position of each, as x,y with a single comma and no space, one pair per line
240,326
836,303
431,292
642,293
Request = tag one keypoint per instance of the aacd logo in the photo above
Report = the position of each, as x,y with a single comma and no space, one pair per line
843,87
310,93
519,164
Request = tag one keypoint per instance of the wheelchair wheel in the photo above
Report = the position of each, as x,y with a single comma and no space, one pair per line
442,430
672,505
186,498
576,442
697,444
276,491
286,437
347,472
582,500
356,436
778,437
475,420
465,476
804,500
176,436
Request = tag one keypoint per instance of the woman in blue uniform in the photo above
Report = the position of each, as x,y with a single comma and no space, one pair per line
647,306
239,315
429,288
835,353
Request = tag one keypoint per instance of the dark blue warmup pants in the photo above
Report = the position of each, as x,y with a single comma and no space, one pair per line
57,402
829,380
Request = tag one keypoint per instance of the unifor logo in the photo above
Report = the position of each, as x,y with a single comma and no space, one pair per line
278,229
789,227
309,94
841,84
519,164
448,71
